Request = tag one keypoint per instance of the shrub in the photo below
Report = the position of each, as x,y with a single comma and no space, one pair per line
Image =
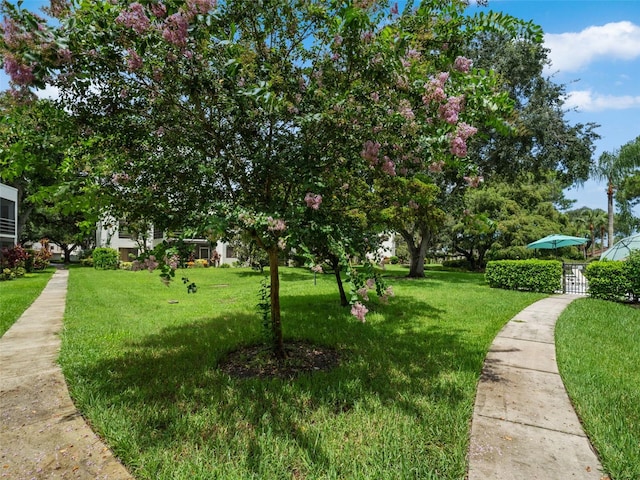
632,273
393,260
201,262
225,265
543,276
105,259
13,257
87,262
125,265
510,253
11,273
607,280
461,263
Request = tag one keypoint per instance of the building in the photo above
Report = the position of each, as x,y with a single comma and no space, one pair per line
114,234
8,216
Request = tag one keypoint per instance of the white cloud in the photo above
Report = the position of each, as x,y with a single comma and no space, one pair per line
588,101
573,51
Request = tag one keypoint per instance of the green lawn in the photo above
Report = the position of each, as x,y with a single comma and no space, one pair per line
143,370
598,348
18,294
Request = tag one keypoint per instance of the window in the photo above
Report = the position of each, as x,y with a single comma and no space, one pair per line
230,252
7,216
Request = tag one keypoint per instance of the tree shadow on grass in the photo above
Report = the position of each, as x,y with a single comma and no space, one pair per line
171,378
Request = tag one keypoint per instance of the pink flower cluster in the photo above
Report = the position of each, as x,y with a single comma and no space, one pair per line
435,89
458,142
387,293
276,224
436,167
134,61
359,311
370,151
135,17
388,166
462,64
20,74
313,200
474,181
176,29
317,269
449,111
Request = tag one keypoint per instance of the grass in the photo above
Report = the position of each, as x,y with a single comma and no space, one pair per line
18,294
598,356
144,372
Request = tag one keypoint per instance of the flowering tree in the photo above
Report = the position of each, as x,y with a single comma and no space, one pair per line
257,111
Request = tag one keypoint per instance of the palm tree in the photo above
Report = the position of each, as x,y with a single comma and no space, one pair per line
610,169
613,167
593,220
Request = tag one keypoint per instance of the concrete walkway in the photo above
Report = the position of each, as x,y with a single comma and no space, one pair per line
524,426
42,435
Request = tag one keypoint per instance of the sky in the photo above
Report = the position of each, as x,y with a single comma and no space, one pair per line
595,52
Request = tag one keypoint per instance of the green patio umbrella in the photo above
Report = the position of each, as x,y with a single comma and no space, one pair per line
557,241
622,248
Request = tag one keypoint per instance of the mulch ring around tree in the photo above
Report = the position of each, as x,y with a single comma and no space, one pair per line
258,361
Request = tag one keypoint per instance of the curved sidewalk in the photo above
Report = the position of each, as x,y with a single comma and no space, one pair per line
42,435
524,426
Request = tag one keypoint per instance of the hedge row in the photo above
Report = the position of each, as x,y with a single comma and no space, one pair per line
616,281
533,275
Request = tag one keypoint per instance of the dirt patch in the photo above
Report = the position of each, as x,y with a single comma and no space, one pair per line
258,361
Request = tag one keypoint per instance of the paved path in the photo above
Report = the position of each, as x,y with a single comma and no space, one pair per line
524,426
42,435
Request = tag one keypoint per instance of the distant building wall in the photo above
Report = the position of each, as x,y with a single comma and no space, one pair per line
8,216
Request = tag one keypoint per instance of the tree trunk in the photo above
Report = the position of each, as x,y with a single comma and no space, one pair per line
610,191
276,324
335,264
417,254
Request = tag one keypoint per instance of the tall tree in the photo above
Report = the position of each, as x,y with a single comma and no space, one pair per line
218,108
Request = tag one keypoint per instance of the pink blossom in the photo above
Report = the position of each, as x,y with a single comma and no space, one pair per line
135,18
20,74
474,181
64,54
436,167
450,110
371,283
465,130
313,200
282,244
367,37
370,151
388,166
159,10
462,64
337,40
413,54
134,61
203,7
458,147
317,268
173,261
175,30
405,110
413,204
359,311
375,96
276,225
119,178
362,292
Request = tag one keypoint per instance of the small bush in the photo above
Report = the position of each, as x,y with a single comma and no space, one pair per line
125,265
511,253
394,260
632,273
105,259
459,263
12,273
225,265
87,262
13,257
543,276
201,263
608,280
